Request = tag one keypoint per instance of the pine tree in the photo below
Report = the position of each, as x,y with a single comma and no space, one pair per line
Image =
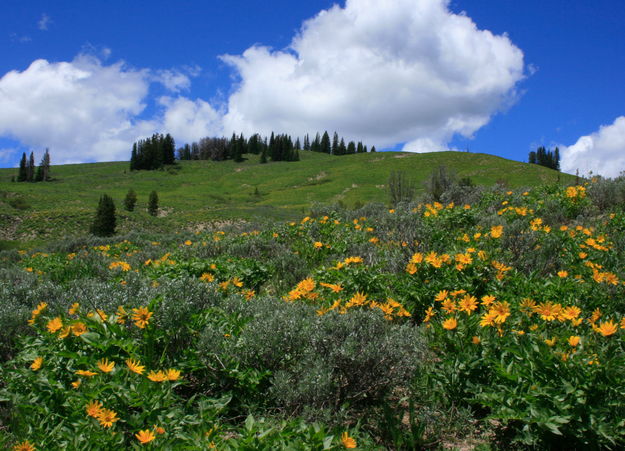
263,155
22,175
104,222
372,148
153,204
325,143
359,147
43,170
342,147
335,144
351,147
31,168
130,200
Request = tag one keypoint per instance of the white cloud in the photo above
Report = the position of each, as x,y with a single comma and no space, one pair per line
43,23
384,72
602,152
81,110
189,120
173,80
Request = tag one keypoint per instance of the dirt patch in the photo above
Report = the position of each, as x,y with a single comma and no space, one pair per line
319,176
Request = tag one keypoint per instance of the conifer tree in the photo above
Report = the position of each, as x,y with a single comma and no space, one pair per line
104,222
22,175
372,148
342,147
31,168
326,147
153,204
335,144
130,200
263,155
43,170
351,147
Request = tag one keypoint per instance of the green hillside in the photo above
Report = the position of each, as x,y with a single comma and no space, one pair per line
200,192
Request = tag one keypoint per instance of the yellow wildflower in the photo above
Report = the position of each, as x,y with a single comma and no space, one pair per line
37,363
172,374
157,376
574,340
450,324
135,366
54,324
107,417
105,366
145,436
141,316
74,308
94,408
24,446
348,442
86,373
79,328
607,328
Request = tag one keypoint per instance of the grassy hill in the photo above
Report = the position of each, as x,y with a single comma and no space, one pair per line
200,192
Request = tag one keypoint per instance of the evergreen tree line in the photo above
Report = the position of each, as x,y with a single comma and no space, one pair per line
153,153
544,157
275,148
279,147
28,172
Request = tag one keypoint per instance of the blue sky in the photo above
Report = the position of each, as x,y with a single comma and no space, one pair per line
495,76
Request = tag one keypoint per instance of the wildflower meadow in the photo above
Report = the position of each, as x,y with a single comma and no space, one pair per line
484,319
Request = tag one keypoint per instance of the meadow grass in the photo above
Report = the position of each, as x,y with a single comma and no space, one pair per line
197,192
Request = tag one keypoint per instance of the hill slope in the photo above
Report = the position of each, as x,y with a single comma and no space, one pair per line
202,191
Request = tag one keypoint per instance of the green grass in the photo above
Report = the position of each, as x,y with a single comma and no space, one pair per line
198,192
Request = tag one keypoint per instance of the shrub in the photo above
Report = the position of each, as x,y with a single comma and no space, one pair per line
320,361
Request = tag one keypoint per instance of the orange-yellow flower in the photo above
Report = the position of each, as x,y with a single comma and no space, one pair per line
36,365
159,430
157,376
141,316
607,328
172,374
54,324
76,383
94,408
562,274
348,442
107,417
574,340
450,324
318,244
476,340
86,373
24,446
496,231
207,277
467,304
79,328
106,366
145,436
74,308
135,366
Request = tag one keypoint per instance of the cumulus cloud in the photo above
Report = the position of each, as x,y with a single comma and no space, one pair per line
81,110
189,120
602,152
407,71
174,81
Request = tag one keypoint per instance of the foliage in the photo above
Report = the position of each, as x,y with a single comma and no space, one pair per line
104,222
153,203
400,188
130,200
